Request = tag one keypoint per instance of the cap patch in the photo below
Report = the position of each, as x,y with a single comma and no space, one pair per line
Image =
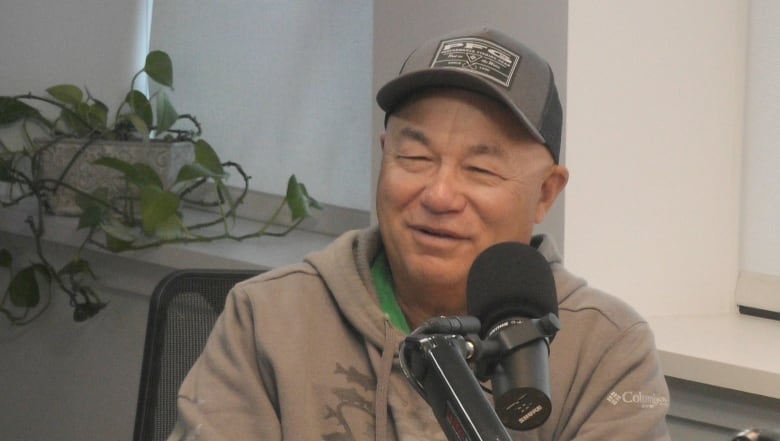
479,56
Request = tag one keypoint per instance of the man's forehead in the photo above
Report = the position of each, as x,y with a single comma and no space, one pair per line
432,102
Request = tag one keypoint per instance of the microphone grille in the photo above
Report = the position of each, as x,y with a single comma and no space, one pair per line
510,279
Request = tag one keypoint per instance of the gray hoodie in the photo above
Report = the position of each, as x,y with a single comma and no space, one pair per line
304,353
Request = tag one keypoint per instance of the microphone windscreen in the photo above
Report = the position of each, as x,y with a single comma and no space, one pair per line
507,280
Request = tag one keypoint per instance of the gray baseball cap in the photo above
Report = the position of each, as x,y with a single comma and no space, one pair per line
491,63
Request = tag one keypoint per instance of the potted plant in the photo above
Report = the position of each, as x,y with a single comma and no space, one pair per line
129,200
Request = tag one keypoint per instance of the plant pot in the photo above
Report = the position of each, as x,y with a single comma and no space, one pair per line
165,158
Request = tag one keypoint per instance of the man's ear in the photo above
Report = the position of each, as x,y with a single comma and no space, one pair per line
552,185
382,137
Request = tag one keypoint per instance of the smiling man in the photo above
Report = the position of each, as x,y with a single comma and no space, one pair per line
470,158
458,175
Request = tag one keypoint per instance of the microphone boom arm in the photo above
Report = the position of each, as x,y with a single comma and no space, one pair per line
436,365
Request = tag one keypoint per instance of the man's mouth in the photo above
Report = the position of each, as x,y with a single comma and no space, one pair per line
436,232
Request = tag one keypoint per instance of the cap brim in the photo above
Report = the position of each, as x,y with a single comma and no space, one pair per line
397,90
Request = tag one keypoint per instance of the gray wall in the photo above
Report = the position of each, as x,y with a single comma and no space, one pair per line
63,380
60,380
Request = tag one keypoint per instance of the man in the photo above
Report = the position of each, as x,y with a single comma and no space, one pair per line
469,159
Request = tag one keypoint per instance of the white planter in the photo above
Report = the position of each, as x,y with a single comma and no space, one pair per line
164,157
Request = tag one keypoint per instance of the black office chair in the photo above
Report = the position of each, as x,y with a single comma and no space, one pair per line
182,311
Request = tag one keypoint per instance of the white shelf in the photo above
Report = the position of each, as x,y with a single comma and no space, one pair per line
262,252
730,350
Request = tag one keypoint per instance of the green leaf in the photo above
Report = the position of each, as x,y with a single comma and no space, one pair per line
6,259
85,311
93,209
24,289
166,114
77,119
159,68
170,228
146,175
75,267
5,171
12,110
139,124
207,157
194,171
123,167
67,93
297,199
92,117
313,203
138,173
91,216
141,106
156,207
118,237
97,115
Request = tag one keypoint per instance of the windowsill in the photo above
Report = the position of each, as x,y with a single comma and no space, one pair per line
140,271
731,350
265,251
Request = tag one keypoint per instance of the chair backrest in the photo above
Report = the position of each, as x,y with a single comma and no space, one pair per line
182,311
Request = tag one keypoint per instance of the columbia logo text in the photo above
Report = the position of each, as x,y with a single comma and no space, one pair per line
642,399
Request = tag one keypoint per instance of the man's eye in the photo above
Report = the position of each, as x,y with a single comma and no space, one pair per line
415,158
481,170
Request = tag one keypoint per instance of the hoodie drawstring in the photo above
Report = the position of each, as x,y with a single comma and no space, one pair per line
383,386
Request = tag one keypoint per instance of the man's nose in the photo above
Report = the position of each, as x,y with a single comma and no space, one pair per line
444,191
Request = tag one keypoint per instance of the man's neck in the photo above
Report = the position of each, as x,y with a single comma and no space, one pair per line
421,303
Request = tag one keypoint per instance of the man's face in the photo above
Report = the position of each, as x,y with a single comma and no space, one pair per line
458,174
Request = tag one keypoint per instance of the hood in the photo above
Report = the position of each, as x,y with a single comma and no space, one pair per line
345,268
566,283
351,286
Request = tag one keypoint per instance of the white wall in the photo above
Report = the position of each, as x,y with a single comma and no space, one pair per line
761,198
759,280
654,132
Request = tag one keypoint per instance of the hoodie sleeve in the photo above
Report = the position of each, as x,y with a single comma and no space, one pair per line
227,395
626,396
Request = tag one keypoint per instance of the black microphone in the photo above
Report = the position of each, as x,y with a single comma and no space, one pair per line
511,291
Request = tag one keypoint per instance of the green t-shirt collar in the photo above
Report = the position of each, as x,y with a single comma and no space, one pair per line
383,283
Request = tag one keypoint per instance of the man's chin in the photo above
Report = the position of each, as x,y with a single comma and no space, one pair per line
435,269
